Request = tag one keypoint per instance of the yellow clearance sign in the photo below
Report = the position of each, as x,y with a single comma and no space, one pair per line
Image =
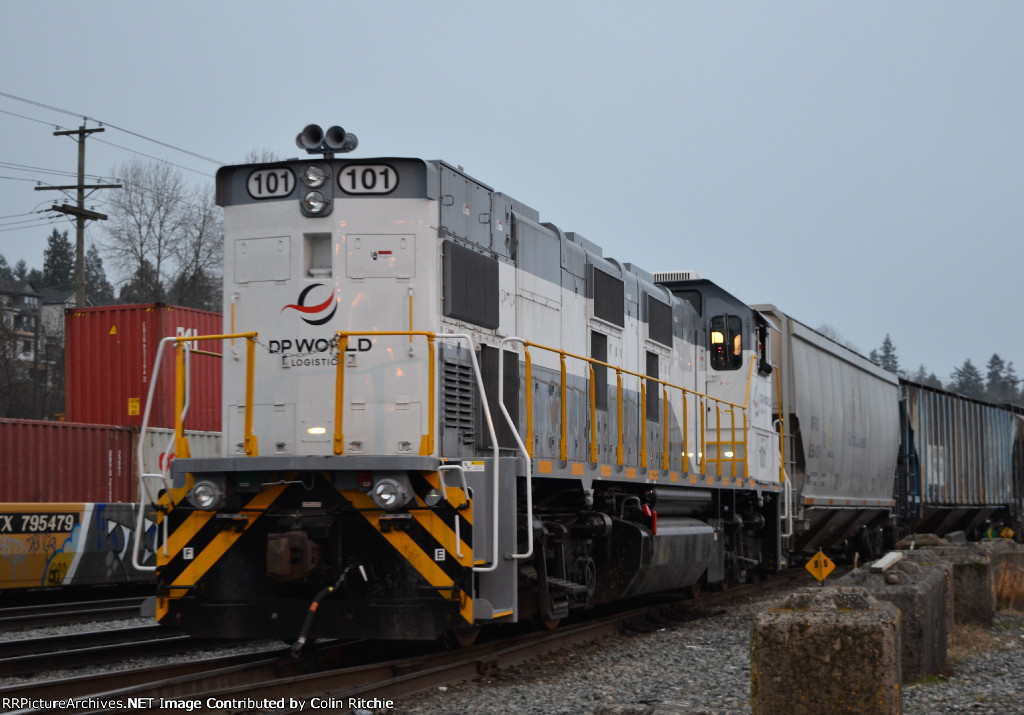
820,566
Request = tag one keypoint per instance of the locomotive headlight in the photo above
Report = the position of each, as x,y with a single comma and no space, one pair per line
391,493
207,495
314,176
314,202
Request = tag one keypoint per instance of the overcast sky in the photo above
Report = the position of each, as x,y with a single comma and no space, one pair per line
859,165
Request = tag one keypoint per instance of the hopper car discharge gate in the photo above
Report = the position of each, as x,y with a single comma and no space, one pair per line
471,571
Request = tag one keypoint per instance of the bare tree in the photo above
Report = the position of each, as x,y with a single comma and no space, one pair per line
199,254
263,156
164,238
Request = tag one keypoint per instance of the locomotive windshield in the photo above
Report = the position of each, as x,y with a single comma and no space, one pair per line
726,342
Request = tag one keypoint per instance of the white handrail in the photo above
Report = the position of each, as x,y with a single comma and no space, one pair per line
522,448
444,495
788,506
145,498
494,442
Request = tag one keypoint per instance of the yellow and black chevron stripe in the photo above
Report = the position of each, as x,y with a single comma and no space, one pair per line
430,544
436,542
194,547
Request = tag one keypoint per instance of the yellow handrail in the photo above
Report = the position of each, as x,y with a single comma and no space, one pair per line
563,444
180,443
529,404
427,441
619,371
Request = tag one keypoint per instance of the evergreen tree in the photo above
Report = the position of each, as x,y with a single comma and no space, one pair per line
58,261
995,386
6,273
967,380
1016,394
21,270
144,287
197,290
887,358
923,377
97,287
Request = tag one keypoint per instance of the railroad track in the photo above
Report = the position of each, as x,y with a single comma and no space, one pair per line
38,616
112,645
347,670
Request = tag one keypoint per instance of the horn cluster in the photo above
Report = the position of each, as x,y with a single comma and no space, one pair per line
317,141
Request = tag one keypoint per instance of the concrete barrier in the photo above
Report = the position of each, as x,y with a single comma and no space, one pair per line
826,650
1008,561
974,580
922,592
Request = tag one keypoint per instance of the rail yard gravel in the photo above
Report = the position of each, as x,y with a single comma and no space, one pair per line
697,665
702,667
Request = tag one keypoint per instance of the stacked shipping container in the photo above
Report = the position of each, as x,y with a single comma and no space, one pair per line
44,462
110,353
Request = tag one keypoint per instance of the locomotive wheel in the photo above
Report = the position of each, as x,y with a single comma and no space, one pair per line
694,591
462,636
544,624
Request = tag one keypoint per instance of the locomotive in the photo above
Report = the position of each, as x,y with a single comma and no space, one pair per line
440,412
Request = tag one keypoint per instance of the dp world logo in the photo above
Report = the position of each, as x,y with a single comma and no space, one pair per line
314,314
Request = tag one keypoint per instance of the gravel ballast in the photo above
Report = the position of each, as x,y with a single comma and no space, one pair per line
700,667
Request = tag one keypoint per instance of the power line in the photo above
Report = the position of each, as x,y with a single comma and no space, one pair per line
42,170
109,125
148,156
22,116
18,178
27,213
39,224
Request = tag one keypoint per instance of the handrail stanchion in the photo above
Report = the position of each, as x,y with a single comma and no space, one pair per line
718,437
664,426
563,444
339,396
593,414
528,386
643,424
251,443
702,442
732,438
427,442
746,447
618,398
686,431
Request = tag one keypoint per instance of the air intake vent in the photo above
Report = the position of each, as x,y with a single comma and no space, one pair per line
459,400
669,276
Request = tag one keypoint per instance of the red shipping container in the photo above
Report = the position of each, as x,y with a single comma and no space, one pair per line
109,361
66,462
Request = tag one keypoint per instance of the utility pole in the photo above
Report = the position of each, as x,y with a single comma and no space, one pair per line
80,213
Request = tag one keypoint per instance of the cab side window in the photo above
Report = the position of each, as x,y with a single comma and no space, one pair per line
726,342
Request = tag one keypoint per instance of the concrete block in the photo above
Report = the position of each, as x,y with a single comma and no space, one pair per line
919,541
1008,561
826,650
974,580
922,594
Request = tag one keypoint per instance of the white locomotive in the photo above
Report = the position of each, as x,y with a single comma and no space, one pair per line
440,412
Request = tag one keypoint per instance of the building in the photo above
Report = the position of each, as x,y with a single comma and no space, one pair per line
32,350
20,305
